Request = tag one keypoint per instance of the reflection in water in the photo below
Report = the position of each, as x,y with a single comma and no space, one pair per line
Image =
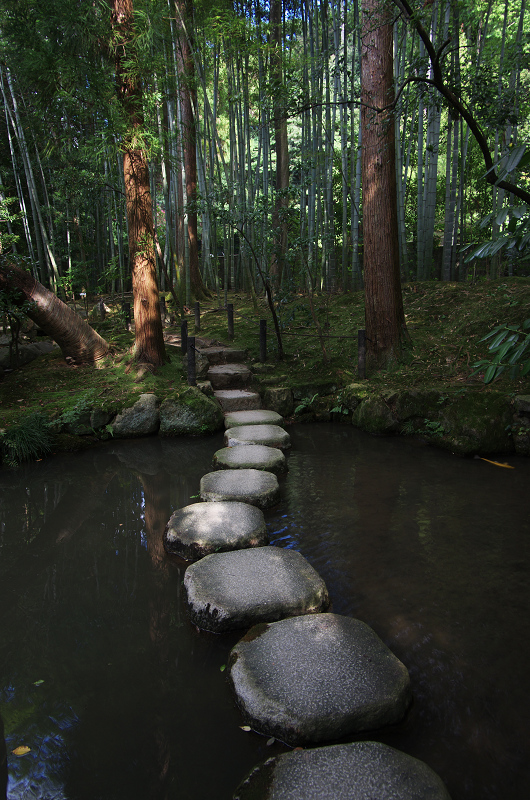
117,695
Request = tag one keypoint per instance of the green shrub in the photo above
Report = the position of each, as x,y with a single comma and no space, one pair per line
28,440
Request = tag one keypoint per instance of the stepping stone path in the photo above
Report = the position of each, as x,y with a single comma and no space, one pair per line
235,418
269,435
236,590
311,676
357,771
314,678
252,456
254,486
197,530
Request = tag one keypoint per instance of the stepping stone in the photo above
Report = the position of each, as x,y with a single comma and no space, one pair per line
269,435
203,528
223,355
252,456
252,486
235,418
361,770
229,376
318,677
238,400
236,590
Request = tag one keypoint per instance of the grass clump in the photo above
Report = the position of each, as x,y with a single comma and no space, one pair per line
28,440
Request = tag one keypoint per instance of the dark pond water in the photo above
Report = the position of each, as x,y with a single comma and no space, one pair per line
118,696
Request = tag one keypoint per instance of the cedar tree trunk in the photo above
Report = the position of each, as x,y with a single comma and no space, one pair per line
384,316
149,338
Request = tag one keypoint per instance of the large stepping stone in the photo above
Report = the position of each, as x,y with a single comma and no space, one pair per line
236,590
229,376
223,355
203,528
318,677
238,400
252,486
357,771
269,435
236,418
252,456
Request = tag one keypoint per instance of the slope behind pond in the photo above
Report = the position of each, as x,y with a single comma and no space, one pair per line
117,695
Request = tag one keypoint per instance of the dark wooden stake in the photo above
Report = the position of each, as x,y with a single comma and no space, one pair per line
263,340
163,309
230,319
184,337
126,311
192,378
197,317
361,357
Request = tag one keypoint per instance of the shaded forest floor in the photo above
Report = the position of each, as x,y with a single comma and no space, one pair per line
445,320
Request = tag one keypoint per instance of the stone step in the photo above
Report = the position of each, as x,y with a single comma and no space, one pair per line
252,456
229,376
234,419
199,529
223,355
238,400
317,678
253,486
360,770
234,590
269,435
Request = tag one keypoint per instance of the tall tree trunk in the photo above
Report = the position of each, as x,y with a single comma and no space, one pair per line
78,341
385,320
149,339
281,200
188,103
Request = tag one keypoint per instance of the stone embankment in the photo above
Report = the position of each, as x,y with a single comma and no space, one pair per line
300,674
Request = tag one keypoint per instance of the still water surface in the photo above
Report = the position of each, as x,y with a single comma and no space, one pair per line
119,697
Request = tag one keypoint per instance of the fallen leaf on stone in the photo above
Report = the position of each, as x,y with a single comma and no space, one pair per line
245,728
37,683
270,741
23,750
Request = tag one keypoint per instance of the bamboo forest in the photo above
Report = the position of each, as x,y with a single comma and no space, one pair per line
249,119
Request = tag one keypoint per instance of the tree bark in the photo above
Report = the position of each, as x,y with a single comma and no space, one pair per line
384,316
187,90
281,202
78,341
149,338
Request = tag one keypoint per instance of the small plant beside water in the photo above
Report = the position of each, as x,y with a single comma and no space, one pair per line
83,406
305,404
27,441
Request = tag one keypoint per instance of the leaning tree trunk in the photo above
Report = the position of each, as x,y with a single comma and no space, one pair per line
78,341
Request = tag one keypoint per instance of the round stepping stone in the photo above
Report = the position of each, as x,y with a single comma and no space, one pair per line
229,376
269,435
318,677
238,400
236,590
203,528
235,418
361,770
253,456
252,486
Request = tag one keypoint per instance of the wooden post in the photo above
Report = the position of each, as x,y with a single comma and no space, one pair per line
126,311
361,354
197,317
192,378
102,308
163,309
230,319
184,337
263,340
